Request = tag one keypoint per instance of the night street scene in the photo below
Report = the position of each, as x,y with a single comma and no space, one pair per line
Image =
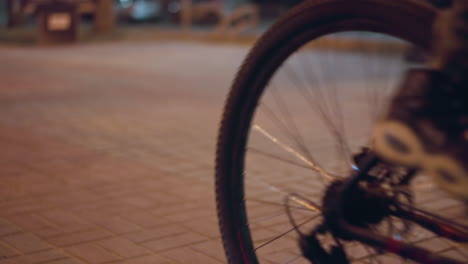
137,132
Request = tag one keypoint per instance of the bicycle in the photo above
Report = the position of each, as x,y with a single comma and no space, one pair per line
287,192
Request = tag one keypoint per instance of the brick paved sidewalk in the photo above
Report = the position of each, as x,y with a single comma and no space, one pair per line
107,153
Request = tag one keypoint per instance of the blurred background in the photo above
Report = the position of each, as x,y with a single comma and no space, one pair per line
109,111
21,19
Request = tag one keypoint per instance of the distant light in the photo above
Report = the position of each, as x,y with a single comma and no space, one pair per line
355,167
125,3
397,237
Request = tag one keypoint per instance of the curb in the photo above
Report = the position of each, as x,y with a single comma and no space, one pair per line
27,37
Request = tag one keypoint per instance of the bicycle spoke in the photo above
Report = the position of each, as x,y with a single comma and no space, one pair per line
336,124
288,149
369,91
260,152
287,116
338,113
285,233
269,186
305,202
320,106
265,218
277,204
313,79
284,128
276,120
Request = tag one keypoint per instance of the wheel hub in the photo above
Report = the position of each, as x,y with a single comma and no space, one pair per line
360,207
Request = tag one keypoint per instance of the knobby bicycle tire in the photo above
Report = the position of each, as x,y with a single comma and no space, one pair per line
409,20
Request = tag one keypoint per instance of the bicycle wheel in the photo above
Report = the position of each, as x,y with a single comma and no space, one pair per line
298,110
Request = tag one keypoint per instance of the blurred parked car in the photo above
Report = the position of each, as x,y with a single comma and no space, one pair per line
139,10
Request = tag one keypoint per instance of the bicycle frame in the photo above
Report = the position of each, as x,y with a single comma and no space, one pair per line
433,223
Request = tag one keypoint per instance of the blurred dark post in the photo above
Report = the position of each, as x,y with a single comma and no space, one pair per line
58,22
104,20
13,12
186,13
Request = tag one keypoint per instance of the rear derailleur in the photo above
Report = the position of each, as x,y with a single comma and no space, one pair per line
359,208
363,204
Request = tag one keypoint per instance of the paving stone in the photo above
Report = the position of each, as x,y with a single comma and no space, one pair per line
80,237
92,253
7,251
189,256
211,248
7,228
204,227
145,219
108,156
26,243
116,225
30,222
154,233
48,256
173,241
122,247
153,259
65,261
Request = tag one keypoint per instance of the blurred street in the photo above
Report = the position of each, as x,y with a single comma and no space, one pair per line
107,152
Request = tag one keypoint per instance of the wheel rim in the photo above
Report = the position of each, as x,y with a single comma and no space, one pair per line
287,157
303,113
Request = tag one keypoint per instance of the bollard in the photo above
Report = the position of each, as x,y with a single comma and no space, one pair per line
104,20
